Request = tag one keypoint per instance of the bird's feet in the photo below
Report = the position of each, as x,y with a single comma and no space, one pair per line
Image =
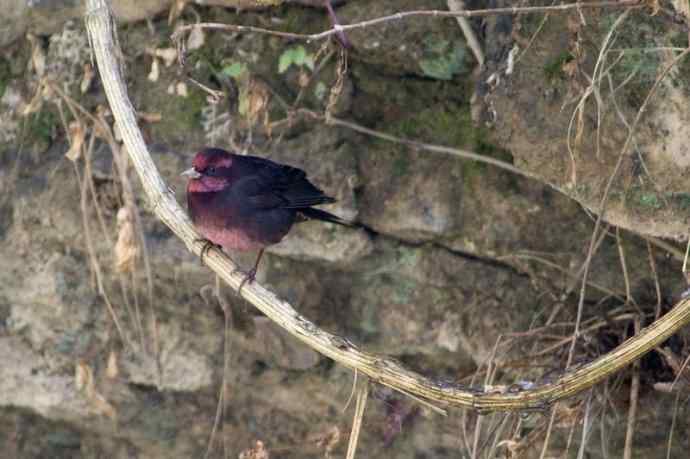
251,274
249,277
208,245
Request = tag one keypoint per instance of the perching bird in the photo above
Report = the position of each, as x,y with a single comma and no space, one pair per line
247,203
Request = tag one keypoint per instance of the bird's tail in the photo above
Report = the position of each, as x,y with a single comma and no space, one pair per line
311,213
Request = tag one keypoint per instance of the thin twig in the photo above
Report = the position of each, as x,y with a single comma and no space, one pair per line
222,401
549,429
83,186
578,275
533,37
490,373
586,425
362,394
337,29
497,435
352,393
579,110
569,441
676,404
562,270
671,250
624,266
632,411
657,286
425,146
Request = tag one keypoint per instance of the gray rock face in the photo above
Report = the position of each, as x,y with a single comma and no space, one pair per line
45,17
48,17
409,46
315,241
411,195
271,342
26,383
49,307
537,125
13,20
463,264
463,311
136,10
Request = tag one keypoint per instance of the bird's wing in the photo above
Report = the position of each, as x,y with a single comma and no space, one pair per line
272,185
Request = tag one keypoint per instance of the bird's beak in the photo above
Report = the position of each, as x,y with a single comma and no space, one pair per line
191,173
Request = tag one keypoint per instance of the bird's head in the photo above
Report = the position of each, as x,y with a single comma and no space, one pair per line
210,171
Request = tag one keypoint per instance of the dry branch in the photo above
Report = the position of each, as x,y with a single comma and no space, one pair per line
385,371
339,28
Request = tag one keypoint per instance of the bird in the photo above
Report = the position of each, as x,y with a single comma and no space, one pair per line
240,202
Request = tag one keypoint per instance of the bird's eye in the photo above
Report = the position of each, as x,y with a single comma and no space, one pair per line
211,170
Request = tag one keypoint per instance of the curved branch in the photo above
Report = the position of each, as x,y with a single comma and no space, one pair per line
100,27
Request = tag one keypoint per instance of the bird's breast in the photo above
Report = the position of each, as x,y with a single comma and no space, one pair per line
228,224
230,238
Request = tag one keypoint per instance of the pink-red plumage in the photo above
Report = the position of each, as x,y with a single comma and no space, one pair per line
246,202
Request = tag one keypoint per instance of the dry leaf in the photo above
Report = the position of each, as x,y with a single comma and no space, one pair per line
257,452
102,111
303,79
580,127
171,88
570,68
83,376
35,104
176,10
102,129
126,248
654,5
682,6
257,99
155,71
102,406
196,39
169,55
77,134
38,56
150,117
665,387
181,89
112,370
87,78
514,448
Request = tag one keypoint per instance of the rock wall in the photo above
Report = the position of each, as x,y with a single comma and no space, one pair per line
460,260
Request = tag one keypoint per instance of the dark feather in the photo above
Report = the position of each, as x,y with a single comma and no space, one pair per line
268,184
318,214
